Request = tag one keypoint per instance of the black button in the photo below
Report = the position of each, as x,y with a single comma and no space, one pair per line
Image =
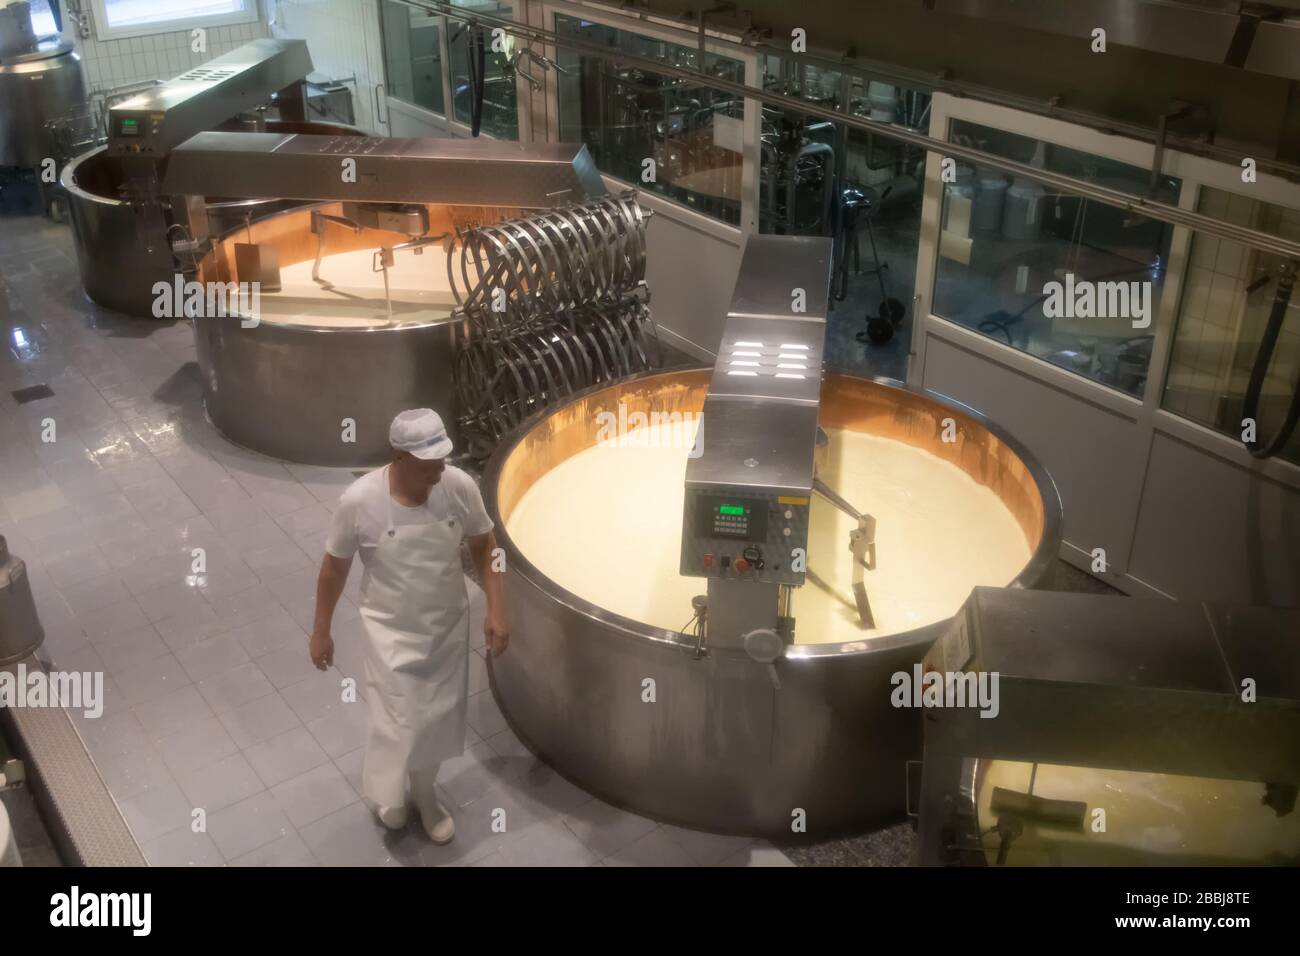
726,561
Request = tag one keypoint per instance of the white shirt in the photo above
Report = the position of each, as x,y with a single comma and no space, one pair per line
362,514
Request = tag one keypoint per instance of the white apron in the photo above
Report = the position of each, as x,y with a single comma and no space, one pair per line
414,605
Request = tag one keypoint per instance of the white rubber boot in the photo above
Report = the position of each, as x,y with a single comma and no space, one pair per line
394,818
435,816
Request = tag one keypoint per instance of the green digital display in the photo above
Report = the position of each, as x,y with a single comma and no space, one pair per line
735,518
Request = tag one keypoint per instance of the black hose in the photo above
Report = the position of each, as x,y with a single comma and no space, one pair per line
1001,320
476,61
1259,371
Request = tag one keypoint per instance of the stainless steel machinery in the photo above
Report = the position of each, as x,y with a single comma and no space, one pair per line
118,269
749,489
292,389
39,79
554,302
20,628
122,224
1146,731
444,171
726,747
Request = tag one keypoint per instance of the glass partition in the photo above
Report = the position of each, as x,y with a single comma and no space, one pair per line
1228,295
413,55
626,116
500,117
822,178
1069,280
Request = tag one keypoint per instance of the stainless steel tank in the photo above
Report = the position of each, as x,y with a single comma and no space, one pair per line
35,87
118,271
285,390
721,749
20,628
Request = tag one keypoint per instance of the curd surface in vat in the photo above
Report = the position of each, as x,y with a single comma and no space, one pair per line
606,525
1149,817
354,294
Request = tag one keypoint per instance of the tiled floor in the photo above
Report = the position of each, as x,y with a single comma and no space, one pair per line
211,701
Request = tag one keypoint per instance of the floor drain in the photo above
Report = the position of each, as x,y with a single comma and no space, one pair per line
32,393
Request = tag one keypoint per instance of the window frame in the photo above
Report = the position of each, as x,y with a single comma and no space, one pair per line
422,113
105,32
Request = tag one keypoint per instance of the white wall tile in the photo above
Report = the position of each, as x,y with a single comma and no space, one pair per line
338,33
159,56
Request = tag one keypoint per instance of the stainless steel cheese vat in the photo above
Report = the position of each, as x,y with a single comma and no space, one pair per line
20,627
289,390
35,87
118,269
721,749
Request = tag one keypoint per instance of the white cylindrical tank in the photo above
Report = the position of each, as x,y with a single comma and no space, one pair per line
8,844
1022,211
883,101
962,188
990,194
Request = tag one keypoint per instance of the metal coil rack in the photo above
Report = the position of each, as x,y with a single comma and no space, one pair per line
553,303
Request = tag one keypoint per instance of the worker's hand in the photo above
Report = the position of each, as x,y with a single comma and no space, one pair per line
497,634
321,647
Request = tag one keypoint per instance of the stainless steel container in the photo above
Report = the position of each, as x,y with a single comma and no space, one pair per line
35,87
118,270
20,629
286,390
290,390
721,749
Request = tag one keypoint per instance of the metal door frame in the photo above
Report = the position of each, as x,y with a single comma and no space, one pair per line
448,123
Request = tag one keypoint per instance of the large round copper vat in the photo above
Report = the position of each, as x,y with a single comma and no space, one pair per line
118,269
315,393
721,748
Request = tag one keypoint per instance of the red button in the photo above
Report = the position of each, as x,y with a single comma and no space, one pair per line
708,560
741,565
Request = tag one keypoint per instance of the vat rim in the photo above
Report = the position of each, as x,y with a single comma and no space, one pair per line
1033,573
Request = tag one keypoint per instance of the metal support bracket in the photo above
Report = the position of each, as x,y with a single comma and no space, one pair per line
862,542
1195,120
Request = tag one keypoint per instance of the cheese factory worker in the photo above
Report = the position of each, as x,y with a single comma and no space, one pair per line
407,520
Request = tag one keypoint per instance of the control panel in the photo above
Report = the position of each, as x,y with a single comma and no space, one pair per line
137,133
745,534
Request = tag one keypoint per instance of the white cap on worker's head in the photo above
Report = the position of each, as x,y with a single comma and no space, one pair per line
421,432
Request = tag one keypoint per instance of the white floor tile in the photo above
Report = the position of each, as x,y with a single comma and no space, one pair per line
313,795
